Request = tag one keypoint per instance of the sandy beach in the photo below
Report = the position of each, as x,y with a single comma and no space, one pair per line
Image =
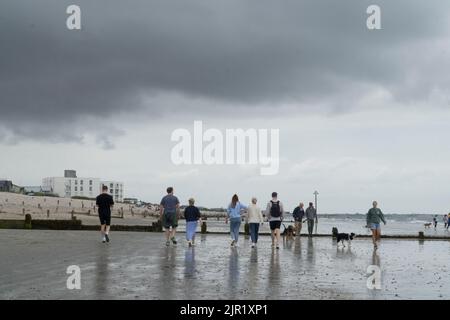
138,265
15,206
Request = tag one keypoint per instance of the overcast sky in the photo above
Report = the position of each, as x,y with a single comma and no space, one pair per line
363,115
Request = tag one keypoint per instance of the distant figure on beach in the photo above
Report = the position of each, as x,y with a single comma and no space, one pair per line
448,221
234,214
169,215
445,219
435,222
311,216
254,219
373,220
104,203
192,216
274,212
298,214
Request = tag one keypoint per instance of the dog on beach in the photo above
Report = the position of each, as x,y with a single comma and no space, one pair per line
341,237
427,225
288,233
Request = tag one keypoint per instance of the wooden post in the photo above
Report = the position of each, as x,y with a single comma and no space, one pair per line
204,229
27,221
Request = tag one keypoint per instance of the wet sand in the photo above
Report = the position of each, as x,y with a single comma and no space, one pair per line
138,265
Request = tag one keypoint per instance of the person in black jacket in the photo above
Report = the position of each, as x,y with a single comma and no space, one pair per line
192,216
104,203
298,214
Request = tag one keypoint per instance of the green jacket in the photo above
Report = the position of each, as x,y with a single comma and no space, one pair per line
375,216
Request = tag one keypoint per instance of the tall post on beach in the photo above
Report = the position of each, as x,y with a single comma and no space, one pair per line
315,204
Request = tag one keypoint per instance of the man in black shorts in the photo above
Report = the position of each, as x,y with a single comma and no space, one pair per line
274,212
169,214
104,203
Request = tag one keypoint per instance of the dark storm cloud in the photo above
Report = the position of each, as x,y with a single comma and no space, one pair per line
236,51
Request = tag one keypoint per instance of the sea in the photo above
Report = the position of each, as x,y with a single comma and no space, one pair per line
396,224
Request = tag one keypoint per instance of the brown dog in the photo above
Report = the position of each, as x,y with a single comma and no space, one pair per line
288,233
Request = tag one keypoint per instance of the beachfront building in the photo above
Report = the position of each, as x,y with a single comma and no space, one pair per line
72,186
8,186
115,189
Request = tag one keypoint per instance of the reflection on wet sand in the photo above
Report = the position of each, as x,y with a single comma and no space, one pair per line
253,276
310,251
297,248
344,252
273,285
189,263
376,262
233,274
376,258
287,244
167,264
102,272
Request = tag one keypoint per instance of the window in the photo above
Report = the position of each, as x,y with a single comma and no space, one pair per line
81,182
81,188
90,182
111,191
90,188
111,185
76,182
76,188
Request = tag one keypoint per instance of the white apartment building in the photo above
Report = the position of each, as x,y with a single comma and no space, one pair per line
115,189
72,186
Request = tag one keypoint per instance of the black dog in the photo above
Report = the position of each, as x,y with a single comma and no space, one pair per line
340,237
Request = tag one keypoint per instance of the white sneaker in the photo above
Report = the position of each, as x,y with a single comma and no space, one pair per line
103,239
253,245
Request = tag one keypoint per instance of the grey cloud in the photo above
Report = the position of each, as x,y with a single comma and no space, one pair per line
316,53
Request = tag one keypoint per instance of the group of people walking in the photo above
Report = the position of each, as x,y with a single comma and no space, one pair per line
445,219
274,214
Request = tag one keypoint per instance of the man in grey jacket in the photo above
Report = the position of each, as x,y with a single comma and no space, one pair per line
311,216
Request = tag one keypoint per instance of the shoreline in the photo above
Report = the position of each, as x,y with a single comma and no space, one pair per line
10,224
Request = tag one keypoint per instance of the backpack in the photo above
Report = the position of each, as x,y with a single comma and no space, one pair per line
275,210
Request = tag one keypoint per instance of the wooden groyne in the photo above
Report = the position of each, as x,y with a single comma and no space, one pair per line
76,224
